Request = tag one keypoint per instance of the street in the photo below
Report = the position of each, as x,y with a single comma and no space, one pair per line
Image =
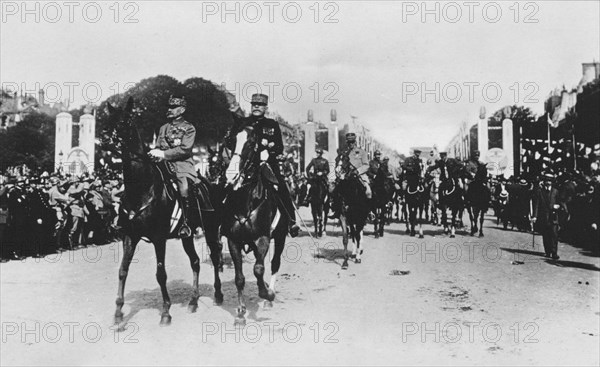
462,301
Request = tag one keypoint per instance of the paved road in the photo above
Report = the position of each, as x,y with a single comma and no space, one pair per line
437,300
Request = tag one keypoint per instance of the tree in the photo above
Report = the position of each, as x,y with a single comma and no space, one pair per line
207,107
30,142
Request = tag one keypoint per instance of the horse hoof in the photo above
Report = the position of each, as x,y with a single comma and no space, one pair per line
480,235
421,236
345,265
268,304
358,261
239,322
452,236
165,320
192,308
118,320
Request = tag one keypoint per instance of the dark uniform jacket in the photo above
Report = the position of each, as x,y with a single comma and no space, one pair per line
176,139
357,158
543,208
265,135
448,168
318,165
413,166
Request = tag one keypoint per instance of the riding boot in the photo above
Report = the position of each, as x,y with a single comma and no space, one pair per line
185,231
335,206
288,207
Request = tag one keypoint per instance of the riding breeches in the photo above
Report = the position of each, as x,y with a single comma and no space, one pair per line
365,183
183,186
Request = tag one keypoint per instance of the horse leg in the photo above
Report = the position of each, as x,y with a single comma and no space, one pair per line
472,219
412,212
129,245
216,257
421,209
235,250
276,261
262,247
315,219
482,215
453,222
376,222
444,218
188,246
344,226
382,221
161,277
357,245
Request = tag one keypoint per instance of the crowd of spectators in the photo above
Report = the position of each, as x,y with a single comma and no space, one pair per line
52,212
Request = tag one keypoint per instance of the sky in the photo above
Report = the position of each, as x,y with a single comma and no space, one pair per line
411,72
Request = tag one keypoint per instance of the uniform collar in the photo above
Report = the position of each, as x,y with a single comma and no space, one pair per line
177,120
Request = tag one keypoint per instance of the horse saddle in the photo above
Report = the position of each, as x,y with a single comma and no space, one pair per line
199,190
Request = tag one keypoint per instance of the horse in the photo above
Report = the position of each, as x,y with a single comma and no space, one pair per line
146,212
383,192
354,211
318,196
415,199
451,196
432,187
478,196
251,218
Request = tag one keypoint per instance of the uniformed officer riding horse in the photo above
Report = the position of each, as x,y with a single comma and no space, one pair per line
174,145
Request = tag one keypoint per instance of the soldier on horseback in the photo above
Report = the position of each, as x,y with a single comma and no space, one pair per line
472,165
266,142
374,165
358,162
413,166
317,172
174,144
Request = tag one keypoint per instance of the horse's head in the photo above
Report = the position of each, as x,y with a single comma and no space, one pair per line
216,164
120,132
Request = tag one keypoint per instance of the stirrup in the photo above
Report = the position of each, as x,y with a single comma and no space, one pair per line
184,231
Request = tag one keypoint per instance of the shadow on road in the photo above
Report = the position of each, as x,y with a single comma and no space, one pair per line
558,263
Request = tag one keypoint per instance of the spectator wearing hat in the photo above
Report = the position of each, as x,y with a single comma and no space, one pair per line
317,172
175,142
545,215
76,194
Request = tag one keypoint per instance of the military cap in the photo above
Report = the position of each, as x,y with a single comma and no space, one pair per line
258,98
386,158
350,137
177,101
319,150
417,151
443,153
523,182
377,152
